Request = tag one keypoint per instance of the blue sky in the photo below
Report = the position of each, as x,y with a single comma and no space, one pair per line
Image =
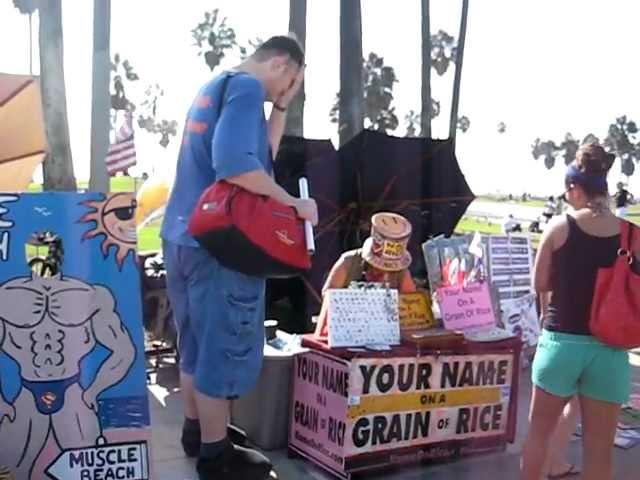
544,67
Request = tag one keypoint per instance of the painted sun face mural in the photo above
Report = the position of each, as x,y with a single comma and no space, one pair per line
114,219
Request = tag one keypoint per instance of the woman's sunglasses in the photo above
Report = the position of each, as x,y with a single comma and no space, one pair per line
563,197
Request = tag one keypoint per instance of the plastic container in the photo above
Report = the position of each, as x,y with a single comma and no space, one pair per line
264,413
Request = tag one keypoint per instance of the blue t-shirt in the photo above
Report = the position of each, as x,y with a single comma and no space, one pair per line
217,148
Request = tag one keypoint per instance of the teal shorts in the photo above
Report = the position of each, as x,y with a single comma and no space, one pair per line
566,365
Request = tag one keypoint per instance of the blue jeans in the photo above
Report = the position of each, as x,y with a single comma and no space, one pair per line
219,315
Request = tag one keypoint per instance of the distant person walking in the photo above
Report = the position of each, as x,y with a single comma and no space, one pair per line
550,209
623,199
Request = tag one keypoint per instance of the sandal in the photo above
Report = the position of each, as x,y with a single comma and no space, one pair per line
572,472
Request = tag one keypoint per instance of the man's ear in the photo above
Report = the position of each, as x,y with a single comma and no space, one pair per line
279,63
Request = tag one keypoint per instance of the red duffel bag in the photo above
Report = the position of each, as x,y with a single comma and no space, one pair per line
250,233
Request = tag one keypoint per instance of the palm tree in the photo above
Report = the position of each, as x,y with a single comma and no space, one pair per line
351,116
621,140
425,116
298,26
58,164
453,121
100,124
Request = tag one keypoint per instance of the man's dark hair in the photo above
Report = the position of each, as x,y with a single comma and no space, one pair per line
279,46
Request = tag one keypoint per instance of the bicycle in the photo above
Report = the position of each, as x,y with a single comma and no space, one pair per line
51,264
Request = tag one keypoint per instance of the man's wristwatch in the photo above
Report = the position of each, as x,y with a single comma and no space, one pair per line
279,108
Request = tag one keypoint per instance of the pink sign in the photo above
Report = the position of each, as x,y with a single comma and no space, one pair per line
319,404
466,308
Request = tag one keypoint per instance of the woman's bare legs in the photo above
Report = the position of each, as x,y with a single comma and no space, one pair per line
543,419
599,423
559,444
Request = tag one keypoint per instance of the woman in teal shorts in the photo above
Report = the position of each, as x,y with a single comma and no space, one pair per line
569,361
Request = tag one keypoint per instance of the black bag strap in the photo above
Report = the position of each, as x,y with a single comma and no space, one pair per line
223,90
221,100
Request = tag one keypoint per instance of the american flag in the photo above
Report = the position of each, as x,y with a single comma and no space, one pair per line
122,152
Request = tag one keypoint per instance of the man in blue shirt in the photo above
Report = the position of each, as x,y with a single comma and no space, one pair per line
219,312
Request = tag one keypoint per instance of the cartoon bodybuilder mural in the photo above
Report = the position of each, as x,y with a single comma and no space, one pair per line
47,327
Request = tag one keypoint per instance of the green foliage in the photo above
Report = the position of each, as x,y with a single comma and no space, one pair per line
149,239
148,118
147,108
444,50
122,70
471,225
568,148
621,140
245,51
412,119
412,122
214,38
547,150
379,80
463,123
334,113
590,138
26,7
117,184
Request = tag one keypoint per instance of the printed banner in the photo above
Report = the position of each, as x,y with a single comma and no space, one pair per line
402,402
510,265
520,318
362,317
415,311
454,261
318,422
73,401
466,308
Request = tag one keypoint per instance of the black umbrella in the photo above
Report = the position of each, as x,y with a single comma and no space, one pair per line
319,162
418,178
415,177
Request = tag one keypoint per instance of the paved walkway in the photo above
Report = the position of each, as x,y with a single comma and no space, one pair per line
170,463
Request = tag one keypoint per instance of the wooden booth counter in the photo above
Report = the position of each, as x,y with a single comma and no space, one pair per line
355,410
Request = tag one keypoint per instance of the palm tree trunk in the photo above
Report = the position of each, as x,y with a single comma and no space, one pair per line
298,26
58,166
100,113
31,44
455,103
351,120
425,116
